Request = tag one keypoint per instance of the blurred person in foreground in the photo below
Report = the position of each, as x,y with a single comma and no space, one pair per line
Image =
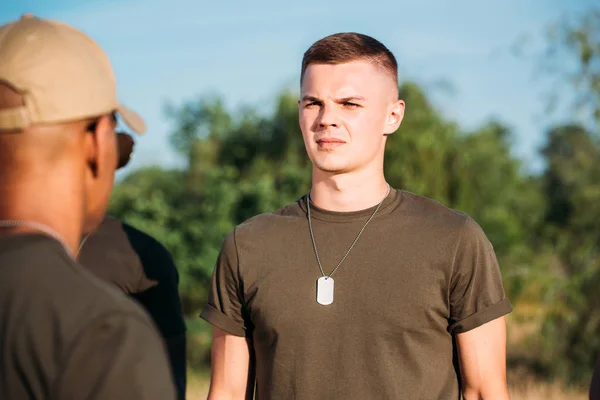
140,266
358,290
64,334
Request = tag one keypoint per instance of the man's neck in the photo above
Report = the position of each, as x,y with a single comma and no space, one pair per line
63,220
348,192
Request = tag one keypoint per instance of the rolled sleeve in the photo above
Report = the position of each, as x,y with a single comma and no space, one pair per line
222,321
225,307
477,294
481,317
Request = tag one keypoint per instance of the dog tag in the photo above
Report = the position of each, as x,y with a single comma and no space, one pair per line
325,290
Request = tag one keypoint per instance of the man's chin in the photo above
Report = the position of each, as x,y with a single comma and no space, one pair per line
330,168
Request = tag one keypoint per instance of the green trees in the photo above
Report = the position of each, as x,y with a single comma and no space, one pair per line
571,187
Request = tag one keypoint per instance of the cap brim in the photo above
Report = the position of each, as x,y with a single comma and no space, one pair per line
132,119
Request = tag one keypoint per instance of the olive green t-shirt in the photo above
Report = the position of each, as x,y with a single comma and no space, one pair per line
64,334
419,274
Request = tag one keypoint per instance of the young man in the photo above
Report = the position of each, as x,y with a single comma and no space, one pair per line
64,334
140,266
357,290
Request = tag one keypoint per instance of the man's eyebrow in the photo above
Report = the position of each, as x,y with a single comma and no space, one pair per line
310,98
342,100
350,98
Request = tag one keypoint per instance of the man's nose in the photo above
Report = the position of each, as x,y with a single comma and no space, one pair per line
328,118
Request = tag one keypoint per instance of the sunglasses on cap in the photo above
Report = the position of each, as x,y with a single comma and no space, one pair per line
125,143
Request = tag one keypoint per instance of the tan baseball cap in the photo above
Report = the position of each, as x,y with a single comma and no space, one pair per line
62,74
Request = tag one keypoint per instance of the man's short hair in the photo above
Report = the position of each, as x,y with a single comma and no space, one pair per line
346,47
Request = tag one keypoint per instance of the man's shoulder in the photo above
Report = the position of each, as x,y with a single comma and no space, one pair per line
431,213
96,296
134,243
436,221
127,256
71,324
138,262
50,283
112,227
269,222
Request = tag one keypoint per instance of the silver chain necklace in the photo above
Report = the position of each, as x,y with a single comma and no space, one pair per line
9,223
325,283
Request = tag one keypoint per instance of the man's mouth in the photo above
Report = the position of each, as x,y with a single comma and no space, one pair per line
329,142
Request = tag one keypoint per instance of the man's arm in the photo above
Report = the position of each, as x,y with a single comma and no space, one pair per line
232,375
482,360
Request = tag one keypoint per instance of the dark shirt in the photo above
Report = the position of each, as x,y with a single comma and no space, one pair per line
594,393
142,267
64,334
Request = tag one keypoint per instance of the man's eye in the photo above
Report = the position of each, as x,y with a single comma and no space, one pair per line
314,103
352,105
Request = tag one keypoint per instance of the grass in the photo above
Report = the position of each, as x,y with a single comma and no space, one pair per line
198,383
541,391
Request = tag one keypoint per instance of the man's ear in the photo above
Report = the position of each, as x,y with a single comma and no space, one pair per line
101,145
395,116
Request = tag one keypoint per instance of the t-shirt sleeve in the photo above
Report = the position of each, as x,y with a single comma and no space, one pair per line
225,308
476,293
117,356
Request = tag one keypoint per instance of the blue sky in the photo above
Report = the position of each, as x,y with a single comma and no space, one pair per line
172,51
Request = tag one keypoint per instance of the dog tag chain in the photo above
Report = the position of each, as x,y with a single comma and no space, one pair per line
325,284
